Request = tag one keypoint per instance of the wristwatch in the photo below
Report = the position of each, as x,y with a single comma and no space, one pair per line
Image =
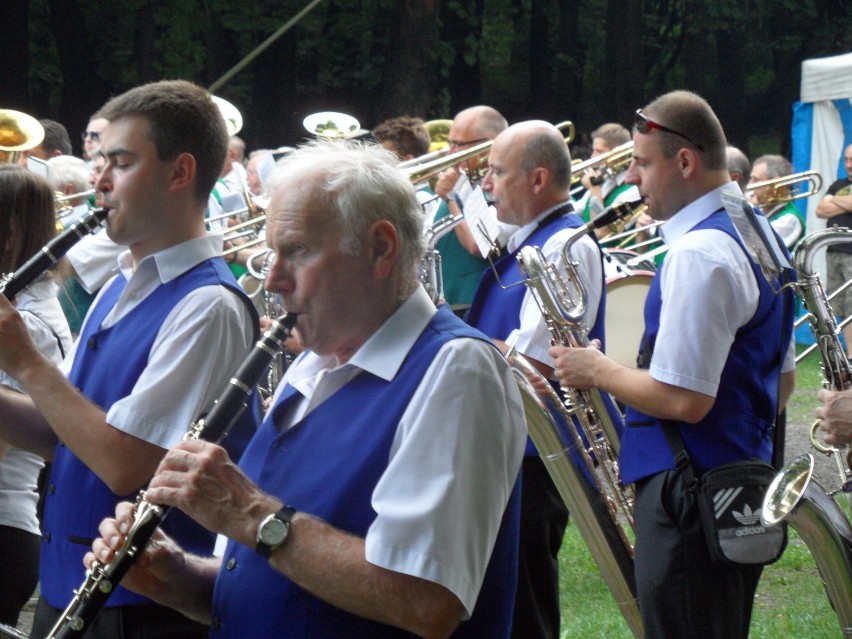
273,531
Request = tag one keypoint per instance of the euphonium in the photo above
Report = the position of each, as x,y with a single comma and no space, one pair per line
794,496
606,530
102,579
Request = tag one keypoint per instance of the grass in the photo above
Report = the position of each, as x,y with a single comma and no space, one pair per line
790,600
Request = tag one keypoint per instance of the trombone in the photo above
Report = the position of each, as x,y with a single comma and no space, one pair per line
786,188
608,164
423,171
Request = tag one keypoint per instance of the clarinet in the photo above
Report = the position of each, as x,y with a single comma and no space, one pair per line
51,253
102,579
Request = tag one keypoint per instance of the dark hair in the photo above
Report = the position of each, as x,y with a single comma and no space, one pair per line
27,217
182,119
690,115
56,138
406,134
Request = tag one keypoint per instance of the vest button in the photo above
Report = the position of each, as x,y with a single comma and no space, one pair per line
232,563
51,489
92,344
46,537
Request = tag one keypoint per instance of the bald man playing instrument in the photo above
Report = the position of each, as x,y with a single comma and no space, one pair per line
528,179
461,259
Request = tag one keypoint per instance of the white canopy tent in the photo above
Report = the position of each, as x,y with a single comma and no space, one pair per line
822,124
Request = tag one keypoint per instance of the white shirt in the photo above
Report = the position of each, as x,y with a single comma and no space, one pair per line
198,347
696,333
93,259
19,469
455,456
533,338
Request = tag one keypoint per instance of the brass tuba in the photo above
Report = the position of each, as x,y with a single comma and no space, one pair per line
794,496
602,506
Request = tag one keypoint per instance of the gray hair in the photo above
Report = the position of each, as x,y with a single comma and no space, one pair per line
549,151
776,165
68,169
361,185
738,164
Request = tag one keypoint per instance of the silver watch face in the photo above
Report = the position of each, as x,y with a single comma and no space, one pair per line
273,531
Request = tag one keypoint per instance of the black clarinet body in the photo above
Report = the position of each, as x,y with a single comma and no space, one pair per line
102,579
51,253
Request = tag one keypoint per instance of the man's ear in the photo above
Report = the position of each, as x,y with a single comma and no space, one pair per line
183,171
383,244
687,161
539,179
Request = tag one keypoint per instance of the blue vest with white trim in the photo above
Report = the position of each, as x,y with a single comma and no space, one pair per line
328,465
496,310
740,424
106,367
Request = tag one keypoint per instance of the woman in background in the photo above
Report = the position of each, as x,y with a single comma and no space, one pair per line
27,222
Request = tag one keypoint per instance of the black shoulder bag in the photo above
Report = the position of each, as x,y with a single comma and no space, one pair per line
730,498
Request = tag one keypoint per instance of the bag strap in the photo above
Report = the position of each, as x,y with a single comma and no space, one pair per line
683,463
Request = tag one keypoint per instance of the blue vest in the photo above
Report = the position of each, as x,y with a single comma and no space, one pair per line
740,424
496,311
106,367
328,465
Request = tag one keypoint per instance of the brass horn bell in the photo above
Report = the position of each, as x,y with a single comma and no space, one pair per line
18,132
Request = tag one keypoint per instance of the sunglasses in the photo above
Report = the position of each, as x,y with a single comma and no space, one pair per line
95,135
645,125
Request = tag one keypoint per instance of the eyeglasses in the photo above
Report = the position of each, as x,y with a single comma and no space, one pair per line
460,143
644,125
95,135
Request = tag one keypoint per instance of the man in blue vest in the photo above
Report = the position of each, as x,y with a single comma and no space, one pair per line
157,346
717,338
379,497
529,177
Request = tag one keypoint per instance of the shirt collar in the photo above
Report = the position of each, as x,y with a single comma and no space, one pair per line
520,236
386,349
175,260
695,212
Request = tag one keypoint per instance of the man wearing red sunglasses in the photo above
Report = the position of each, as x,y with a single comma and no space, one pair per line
717,338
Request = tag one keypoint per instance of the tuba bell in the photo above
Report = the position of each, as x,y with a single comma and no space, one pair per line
18,132
233,118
